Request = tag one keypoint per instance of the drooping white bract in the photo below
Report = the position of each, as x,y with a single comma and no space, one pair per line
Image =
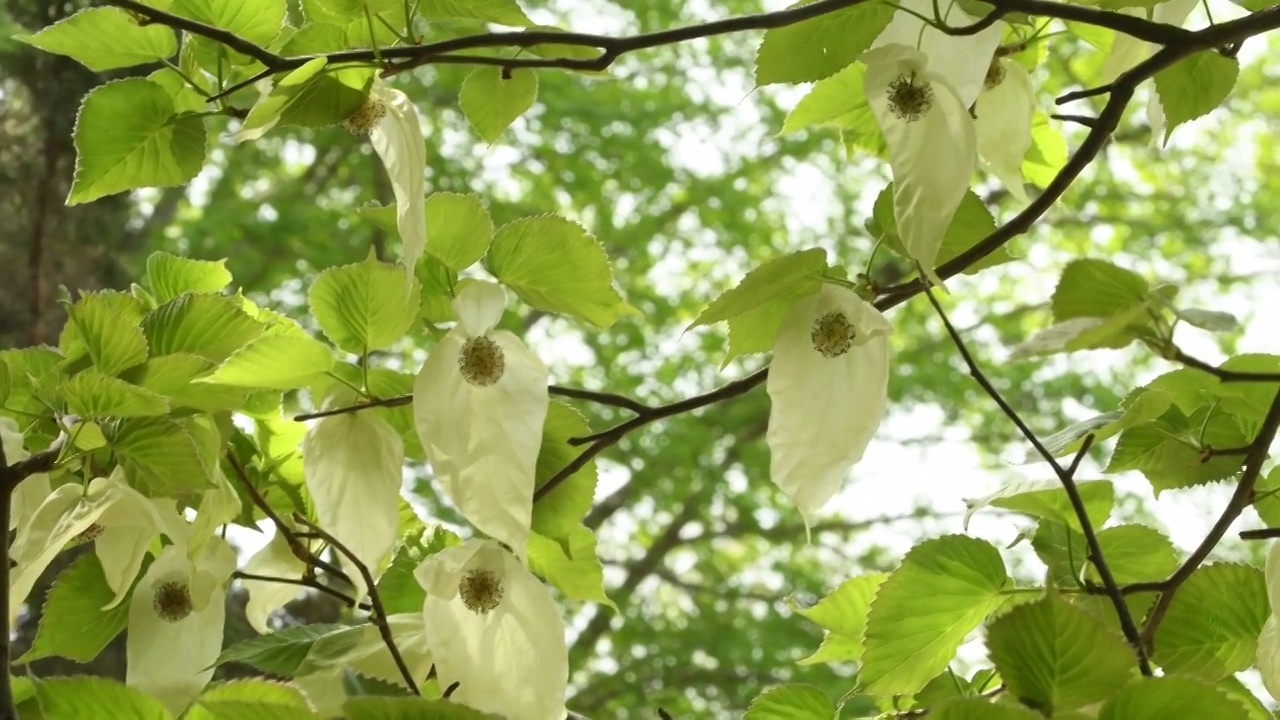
1004,110
354,464
119,520
390,120
1268,652
275,559
30,492
961,60
933,146
494,629
217,507
176,617
479,404
828,387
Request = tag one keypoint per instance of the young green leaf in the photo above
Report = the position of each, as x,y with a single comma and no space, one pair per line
1048,499
843,614
560,513
251,699
979,709
838,101
159,455
1211,628
554,264
791,702
374,707
459,229
1054,657
1096,288
310,96
364,306
105,38
971,224
281,652
208,326
789,277
93,698
755,330
577,572
819,47
492,98
101,326
1194,86
1171,697
91,394
1167,450
169,276
280,362
258,21
128,135
944,588
73,624
502,12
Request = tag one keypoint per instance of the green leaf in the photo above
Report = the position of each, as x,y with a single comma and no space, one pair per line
458,229
1053,656
105,39
1048,499
558,514
1211,628
1248,402
502,12
92,698
1069,439
100,328
353,9
944,588
492,98
1171,697
91,394
1211,320
169,276
754,331
971,224
313,95
1194,86
838,101
979,709
398,588
1134,553
819,47
1267,498
258,21
791,702
210,326
281,652
73,624
1096,288
789,277
280,362
251,699
160,456
843,614
364,306
128,136
578,574
554,264
1167,450
375,707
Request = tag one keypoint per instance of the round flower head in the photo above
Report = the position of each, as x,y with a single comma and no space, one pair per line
961,61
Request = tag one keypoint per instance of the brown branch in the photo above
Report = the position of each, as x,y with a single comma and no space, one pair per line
1226,376
602,398
1067,477
226,37
379,614
300,582
1240,500
7,479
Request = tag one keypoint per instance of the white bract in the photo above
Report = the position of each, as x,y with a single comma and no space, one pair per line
390,120
479,404
275,559
828,385
119,520
494,629
961,60
353,464
932,143
30,492
1004,112
176,616
1268,652
1128,51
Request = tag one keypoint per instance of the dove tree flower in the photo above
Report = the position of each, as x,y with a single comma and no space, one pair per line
932,146
30,492
479,404
1268,652
494,629
119,520
828,384
390,120
1004,110
176,617
353,463
275,559
961,60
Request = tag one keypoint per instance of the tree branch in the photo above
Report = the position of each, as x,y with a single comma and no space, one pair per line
8,711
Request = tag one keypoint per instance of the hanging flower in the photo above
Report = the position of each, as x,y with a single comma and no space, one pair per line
479,404
827,383
494,629
932,146
176,617
390,120
119,520
30,492
353,464
960,60
1268,652
275,559
1005,109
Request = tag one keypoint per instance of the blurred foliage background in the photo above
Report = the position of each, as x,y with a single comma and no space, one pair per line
674,163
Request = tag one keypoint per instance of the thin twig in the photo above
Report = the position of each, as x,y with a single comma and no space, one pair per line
1127,625
602,398
7,481
379,615
1240,499
1226,376
390,402
300,582
226,37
